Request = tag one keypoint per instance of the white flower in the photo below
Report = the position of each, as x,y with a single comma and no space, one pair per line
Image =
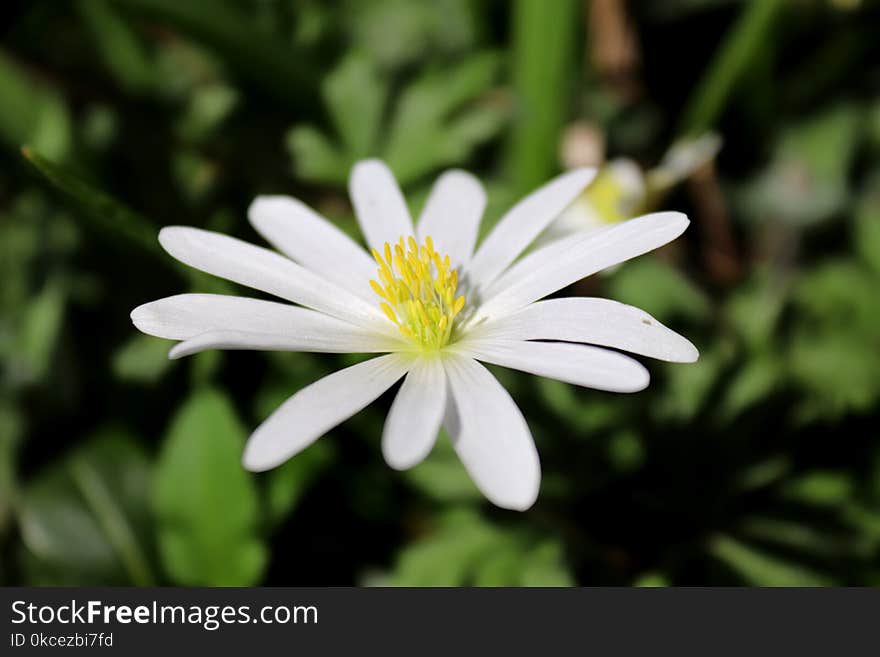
433,306
622,190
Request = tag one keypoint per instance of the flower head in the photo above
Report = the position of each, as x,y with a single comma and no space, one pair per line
433,305
418,288
622,189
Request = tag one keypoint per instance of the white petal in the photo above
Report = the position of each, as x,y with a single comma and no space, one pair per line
570,259
319,407
491,436
578,364
415,416
451,215
185,316
594,321
214,321
305,236
356,341
268,271
523,223
378,203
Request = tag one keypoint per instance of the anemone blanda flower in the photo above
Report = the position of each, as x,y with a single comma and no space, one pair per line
433,306
622,190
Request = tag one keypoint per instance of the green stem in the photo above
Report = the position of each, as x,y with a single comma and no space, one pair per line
113,522
543,50
743,41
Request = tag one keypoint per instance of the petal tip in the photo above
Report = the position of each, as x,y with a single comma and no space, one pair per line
690,352
264,207
460,176
370,161
680,350
644,381
517,500
178,351
395,462
255,459
584,175
670,223
371,166
171,238
640,380
679,218
144,320
137,314
257,205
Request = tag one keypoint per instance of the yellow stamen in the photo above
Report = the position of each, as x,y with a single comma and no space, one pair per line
418,289
389,313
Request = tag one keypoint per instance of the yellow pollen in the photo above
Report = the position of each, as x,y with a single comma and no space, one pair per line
417,289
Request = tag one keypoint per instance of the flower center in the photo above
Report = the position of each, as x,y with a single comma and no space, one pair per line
418,291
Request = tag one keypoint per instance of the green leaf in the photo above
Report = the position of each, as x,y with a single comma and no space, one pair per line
142,359
422,135
355,96
399,32
450,555
836,371
756,381
86,519
203,367
194,174
658,289
763,474
588,414
516,562
625,451
754,309
31,113
544,566
206,503
208,106
820,488
441,475
807,180
41,323
759,568
11,428
839,294
502,567
867,520
437,121
315,158
688,387
867,225
258,56
795,535
118,45
652,579
467,549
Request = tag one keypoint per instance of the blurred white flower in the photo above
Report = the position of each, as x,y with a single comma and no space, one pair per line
616,193
433,306
683,159
622,190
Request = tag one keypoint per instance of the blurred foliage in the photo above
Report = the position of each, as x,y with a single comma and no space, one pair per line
428,128
759,464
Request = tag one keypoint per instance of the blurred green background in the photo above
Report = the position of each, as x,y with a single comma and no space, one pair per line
760,464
